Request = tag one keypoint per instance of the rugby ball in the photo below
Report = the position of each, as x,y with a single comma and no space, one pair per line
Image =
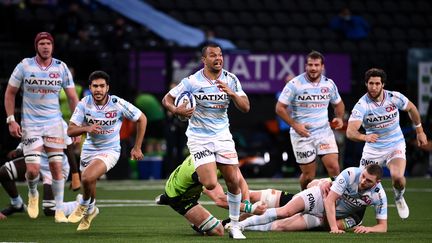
185,97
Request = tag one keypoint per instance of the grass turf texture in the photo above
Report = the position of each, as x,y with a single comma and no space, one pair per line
128,214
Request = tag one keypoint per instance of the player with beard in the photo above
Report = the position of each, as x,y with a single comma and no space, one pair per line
308,96
378,112
100,116
209,138
41,78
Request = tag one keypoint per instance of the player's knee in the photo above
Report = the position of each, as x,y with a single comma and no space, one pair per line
269,197
33,158
209,184
55,157
211,226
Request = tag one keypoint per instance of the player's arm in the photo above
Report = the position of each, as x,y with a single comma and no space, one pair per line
181,110
330,209
380,227
14,127
284,112
75,130
339,110
240,101
354,134
243,186
416,119
72,97
136,152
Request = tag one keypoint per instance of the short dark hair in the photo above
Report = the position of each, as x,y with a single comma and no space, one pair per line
376,170
316,55
99,75
204,49
375,72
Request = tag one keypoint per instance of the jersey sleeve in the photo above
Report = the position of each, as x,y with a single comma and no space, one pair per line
78,114
180,88
17,75
288,93
400,100
335,97
380,203
237,88
341,182
129,111
357,113
67,77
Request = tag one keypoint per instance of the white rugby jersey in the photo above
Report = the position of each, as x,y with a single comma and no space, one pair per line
351,200
210,119
381,118
309,101
109,117
41,89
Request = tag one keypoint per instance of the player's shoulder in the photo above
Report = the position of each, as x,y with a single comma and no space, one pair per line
228,75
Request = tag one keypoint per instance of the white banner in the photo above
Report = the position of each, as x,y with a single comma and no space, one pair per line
424,86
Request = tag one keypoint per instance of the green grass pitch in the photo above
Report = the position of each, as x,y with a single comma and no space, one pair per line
128,214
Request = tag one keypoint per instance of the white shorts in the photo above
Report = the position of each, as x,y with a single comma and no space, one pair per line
50,135
307,148
382,156
313,200
109,158
46,173
220,151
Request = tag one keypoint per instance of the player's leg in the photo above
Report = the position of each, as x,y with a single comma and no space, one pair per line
74,170
397,170
204,221
297,222
32,160
234,196
308,173
328,150
331,163
9,173
89,176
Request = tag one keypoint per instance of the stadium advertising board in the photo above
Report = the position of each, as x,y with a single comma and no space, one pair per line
259,73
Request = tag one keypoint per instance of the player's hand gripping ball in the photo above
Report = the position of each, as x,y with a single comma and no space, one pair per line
185,97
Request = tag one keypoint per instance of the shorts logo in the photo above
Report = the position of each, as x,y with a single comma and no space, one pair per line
324,146
230,155
306,154
202,154
55,140
29,141
365,162
311,200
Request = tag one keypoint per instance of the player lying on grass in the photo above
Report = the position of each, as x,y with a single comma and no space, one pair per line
183,189
15,169
351,192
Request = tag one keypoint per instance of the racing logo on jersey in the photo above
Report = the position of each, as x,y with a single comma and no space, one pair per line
111,114
325,90
390,108
366,199
54,75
